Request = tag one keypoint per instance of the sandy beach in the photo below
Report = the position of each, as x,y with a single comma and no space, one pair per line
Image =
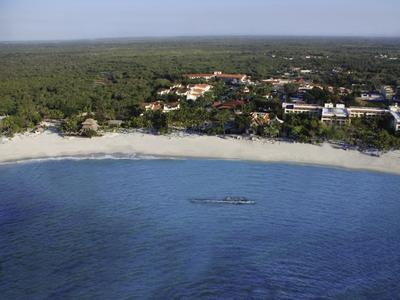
51,145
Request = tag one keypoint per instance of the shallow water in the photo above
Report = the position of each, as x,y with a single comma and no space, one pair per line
126,229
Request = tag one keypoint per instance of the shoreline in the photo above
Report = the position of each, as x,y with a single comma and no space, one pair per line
48,145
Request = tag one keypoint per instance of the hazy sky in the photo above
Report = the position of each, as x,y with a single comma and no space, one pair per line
77,19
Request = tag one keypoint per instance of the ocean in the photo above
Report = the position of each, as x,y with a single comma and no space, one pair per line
128,229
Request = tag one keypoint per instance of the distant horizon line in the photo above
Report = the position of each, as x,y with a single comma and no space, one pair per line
169,37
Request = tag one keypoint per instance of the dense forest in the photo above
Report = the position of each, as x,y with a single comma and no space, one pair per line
111,79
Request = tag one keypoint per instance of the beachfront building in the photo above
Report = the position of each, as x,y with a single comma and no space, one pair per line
339,115
373,97
395,113
89,125
367,112
335,115
301,108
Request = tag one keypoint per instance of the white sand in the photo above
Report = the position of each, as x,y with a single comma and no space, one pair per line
49,145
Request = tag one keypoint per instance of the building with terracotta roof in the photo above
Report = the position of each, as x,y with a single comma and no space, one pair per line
233,78
230,105
154,106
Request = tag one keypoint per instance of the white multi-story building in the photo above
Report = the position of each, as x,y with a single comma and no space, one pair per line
300,108
372,97
368,112
335,115
339,115
395,112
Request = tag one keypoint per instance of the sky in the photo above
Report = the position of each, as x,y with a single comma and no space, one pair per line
29,20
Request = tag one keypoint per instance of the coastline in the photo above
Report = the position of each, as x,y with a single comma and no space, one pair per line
50,145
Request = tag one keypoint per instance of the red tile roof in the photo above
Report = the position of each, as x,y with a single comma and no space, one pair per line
228,105
233,76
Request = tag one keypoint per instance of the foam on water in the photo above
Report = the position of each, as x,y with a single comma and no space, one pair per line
116,156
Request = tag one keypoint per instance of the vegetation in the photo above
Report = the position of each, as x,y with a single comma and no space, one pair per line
112,80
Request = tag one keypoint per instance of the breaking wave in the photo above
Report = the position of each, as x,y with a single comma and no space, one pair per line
91,157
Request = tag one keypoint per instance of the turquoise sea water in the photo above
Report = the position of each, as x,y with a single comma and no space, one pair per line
125,229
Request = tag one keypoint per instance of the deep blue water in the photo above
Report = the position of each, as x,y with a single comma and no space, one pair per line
124,229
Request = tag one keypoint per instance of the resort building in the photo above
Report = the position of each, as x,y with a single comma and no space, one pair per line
395,113
191,92
259,118
310,86
89,125
280,82
387,92
373,97
335,115
154,106
164,107
175,89
339,115
232,78
197,90
200,76
368,112
277,81
171,107
301,108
